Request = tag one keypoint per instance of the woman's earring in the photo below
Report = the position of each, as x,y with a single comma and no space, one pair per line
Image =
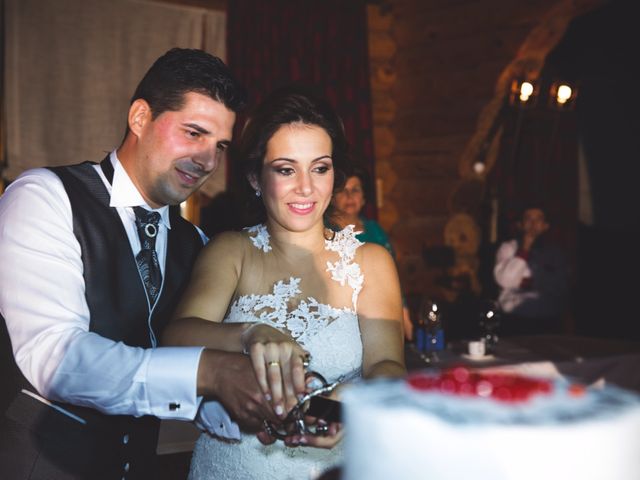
258,193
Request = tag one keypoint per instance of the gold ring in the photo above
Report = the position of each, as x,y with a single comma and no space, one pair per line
273,363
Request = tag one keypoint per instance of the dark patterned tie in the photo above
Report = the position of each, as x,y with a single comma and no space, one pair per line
147,259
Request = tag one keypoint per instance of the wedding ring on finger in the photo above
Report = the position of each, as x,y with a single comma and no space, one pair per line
273,363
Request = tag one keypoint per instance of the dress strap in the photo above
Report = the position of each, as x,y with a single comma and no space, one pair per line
345,270
344,243
259,236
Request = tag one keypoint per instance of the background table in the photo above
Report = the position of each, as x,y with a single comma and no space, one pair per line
584,359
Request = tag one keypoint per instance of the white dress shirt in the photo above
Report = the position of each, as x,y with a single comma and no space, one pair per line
42,298
509,271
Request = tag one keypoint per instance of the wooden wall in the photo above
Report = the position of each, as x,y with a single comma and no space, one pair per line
439,70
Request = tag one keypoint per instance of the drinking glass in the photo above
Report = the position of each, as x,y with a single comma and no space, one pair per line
489,325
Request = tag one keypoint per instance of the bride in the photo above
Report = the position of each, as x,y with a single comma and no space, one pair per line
287,290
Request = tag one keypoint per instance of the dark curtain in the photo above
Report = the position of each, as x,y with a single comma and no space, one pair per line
597,54
600,50
322,43
538,163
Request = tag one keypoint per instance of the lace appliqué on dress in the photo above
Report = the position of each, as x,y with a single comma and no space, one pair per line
310,316
259,236
346,270
304,322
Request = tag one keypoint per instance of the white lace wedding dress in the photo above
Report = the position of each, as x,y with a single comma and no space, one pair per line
331,335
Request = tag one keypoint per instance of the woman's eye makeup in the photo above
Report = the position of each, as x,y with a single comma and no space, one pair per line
284,170
287,169
324,168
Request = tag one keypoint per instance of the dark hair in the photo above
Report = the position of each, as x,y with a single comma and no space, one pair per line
183,70
364,176
534,205
287,105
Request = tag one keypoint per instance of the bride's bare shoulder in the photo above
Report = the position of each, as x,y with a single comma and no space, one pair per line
230,236
227,243
372,255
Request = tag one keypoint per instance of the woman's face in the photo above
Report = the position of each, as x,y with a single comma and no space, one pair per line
350,200
297,176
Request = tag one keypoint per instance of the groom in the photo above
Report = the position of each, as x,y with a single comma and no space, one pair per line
93,263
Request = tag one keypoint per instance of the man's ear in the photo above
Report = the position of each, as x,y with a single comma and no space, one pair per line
139,116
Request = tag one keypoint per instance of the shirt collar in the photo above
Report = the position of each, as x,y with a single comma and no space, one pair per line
125,194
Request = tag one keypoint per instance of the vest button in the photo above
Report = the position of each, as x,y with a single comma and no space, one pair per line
125,438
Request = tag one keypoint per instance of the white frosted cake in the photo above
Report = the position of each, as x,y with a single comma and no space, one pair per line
465,425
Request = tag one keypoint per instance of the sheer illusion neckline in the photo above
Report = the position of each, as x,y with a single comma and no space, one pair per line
305,319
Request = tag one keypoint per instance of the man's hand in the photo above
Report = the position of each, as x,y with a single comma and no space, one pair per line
230,379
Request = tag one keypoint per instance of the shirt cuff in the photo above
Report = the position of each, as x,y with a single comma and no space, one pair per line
213,418
172,378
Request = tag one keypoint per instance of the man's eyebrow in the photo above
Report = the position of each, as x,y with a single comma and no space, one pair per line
197,128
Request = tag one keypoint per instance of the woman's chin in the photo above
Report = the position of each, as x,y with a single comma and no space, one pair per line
299,223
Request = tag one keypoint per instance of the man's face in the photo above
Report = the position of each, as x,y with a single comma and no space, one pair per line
180,149
534,222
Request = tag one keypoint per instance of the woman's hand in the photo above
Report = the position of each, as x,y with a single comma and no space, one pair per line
330,438
331,435
278,362
328,434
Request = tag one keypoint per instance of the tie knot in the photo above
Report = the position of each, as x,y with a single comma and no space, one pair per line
146,221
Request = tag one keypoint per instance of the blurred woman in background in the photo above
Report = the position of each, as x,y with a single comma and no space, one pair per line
348,207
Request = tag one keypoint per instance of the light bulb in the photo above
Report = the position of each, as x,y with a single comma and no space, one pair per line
478,167
564,94
526,89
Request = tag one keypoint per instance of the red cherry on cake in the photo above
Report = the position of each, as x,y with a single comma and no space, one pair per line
503,387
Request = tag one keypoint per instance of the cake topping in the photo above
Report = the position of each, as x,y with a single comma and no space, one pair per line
460,381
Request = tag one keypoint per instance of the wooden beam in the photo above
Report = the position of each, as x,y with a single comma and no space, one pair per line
206,4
